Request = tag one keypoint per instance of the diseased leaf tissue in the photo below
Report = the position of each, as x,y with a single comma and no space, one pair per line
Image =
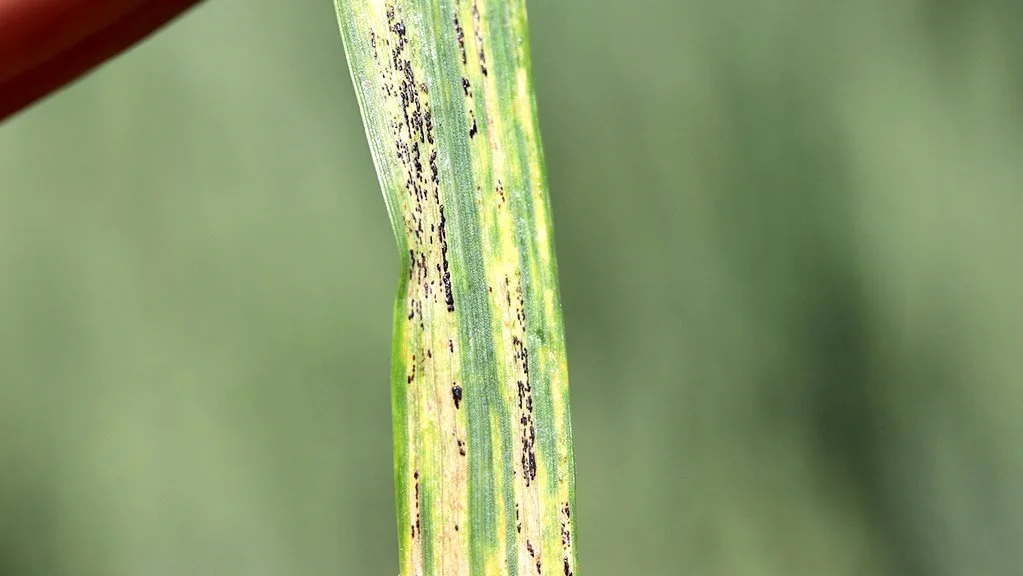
484,471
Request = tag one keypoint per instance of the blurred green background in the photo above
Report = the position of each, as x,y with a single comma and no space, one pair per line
790,240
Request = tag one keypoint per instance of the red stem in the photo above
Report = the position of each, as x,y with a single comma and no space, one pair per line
46,44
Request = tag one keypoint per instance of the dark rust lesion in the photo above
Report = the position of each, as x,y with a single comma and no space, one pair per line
412,131
523,381
460,35
566,534
449,297
478,29
414,526
456,395
535,556
566,538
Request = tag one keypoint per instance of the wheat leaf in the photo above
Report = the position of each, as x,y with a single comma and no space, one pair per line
484,470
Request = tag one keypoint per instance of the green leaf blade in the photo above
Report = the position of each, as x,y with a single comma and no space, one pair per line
483,453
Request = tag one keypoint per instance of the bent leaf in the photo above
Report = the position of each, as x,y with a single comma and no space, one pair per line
484,471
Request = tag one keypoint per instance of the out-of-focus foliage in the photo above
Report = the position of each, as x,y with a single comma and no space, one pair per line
789,237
